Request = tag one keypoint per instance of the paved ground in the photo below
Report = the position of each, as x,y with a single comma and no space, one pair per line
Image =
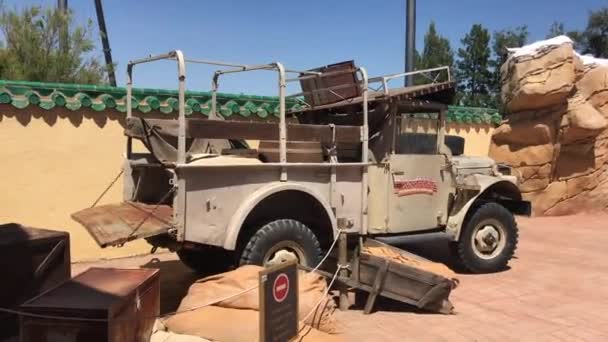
555,290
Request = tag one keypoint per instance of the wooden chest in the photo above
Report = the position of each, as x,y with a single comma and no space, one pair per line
32,260
337,82
123,303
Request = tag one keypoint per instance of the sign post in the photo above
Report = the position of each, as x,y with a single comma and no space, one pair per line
279,303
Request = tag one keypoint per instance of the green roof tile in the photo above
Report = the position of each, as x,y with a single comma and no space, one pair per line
22,94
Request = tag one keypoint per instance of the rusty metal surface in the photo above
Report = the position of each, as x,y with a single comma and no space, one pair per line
115,224
128,299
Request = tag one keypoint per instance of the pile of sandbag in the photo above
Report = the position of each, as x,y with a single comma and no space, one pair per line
237,319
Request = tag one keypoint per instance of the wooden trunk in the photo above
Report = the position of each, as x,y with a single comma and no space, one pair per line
33,260
125,300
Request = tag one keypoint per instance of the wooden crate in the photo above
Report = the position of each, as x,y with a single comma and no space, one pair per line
33,260
401,282
126,299
341,78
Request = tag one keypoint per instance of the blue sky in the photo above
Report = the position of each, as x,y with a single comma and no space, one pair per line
301,34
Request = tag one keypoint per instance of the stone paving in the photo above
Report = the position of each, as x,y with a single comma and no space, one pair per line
555,290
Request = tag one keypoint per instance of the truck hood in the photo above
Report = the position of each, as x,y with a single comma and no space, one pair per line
465,162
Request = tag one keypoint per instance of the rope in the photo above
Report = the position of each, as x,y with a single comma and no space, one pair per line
151,212
314,308
229,297
107,189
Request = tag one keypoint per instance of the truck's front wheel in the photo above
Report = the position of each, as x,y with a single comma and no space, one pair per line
281,241
488,239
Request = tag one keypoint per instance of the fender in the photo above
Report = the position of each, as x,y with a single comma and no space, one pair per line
504,185
237,220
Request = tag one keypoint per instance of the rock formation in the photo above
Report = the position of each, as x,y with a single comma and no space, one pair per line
556,132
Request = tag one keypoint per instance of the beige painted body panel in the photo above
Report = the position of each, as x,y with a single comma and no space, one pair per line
379,192
219,198
418,211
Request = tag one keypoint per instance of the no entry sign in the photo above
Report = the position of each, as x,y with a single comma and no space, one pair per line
279,303
280,289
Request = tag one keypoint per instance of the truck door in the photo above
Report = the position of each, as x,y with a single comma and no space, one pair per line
421,183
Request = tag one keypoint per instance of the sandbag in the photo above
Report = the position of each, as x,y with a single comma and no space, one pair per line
232,325
540,75
311,287
160,333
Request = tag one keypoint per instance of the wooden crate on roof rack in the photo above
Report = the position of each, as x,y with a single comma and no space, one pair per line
337,82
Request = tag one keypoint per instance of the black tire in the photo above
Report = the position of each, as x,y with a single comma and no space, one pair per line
206,260
468,251
279,232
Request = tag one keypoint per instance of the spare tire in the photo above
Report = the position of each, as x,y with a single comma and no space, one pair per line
425,143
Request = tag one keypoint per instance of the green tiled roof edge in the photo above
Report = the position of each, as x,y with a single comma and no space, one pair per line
22,94
474,115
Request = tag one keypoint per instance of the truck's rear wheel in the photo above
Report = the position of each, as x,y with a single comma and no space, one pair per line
488,239
281,241
206,260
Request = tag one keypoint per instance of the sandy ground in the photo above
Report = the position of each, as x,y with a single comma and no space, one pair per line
556,289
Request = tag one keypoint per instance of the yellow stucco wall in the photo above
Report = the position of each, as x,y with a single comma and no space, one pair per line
58,162
53,166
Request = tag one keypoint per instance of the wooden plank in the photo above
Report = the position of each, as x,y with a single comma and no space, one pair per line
216,129
220,129
380,276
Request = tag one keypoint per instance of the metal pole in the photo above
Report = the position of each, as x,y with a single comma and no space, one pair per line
342,261
410,40
103,32
282,121
62,6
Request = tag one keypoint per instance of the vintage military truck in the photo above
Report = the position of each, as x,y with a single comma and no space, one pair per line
340,162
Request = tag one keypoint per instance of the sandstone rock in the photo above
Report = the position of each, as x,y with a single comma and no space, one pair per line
586,201
594,87
529,172
521,155
534,184
575,161
579,184
556,137
584,121
539,78
529,133
549,197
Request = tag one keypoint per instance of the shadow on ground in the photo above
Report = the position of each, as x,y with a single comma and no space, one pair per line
175,279
434,247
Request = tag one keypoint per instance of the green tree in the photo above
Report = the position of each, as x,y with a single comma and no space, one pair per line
436,52
504,39
473,67
558,29
31,47
595,36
